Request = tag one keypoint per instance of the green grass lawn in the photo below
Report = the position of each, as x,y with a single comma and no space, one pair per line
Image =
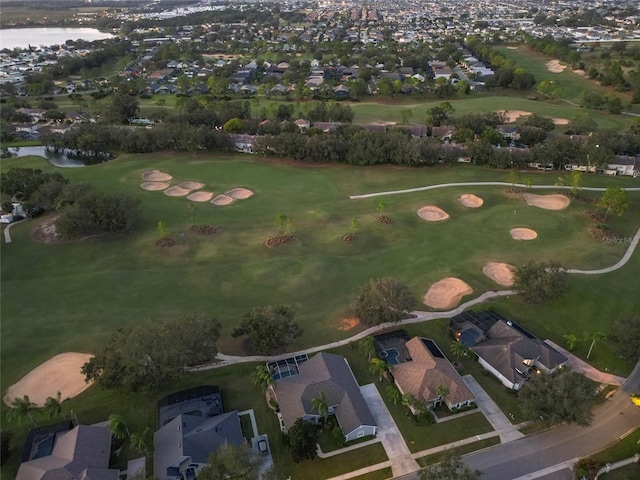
462,450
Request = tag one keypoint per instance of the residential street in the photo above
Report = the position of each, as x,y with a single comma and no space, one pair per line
614,418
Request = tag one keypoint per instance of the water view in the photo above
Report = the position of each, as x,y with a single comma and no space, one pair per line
23,37
61,157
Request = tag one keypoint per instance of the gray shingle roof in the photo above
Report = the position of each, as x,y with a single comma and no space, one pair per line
331,374
79,454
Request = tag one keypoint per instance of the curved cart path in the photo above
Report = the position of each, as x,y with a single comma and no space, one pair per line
625,258
482,184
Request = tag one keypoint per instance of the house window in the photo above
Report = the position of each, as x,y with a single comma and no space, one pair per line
360,434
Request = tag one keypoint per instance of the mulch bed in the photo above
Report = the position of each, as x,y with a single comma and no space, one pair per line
383,219
596,216
279,240
204,229
350,237
165,242
603,235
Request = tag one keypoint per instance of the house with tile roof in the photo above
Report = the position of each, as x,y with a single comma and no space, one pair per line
504,348
331,374
78,452
426,371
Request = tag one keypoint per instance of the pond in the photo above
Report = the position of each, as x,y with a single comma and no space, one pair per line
59,157
26,37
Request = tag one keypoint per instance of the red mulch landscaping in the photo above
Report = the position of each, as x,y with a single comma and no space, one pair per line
279,240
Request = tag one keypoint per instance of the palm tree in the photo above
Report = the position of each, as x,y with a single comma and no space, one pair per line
118,426
408,400
571,341
442,391
21,408
53,406
377,367
319,404
263,376
458,350
381,207
368,347
595,336
394,394
355,225
140,442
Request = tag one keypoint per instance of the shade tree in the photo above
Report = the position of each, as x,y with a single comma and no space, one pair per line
540,282
383,300
269,328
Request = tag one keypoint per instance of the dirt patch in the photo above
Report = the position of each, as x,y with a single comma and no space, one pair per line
46,231
560,121
523,234
222,200
156,176
554,66
513,115
348,238
239,193
446,293
200,196
154,186
432,214
279,240
348,324
554,201
58,374
191,185
204,229
501,273
470,200
176,191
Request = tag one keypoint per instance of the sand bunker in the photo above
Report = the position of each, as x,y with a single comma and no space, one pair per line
239,193
512,48
200,196
548,202
470,200
58,374
501,273
154,186
176,191
222,200
156,176
513,115
432,214
523,233
560,121
348,324
191,185
554,66
446,293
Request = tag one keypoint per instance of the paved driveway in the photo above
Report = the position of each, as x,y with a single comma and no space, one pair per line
488,407
587,370
394,445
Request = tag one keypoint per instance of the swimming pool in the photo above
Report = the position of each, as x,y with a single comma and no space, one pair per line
391,356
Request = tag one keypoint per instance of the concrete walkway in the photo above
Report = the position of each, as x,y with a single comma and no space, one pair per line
498,420
362,471
625,258
339,451
402,461
587,370
560,471
7,234
458,443
484,184
622,463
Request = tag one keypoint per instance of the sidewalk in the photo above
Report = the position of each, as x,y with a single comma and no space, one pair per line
402,461
587,370
492,412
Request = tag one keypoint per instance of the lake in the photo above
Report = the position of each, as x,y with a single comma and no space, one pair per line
60,158
23,37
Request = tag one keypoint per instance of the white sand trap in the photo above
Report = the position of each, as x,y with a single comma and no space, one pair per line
432,214
222,200
512,48
446,293
470,200
154,186
239,193
548,202
200,196
58,374
191,185
560,121
156,176
554,66
176,191
523,233
501,273
513,115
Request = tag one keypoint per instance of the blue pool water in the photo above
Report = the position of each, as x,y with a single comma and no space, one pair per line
392,356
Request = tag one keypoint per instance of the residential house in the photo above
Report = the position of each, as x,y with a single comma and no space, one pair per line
331,374
302,124
504,348
426,372
341,91
193,426
625,165
65,451
244,143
